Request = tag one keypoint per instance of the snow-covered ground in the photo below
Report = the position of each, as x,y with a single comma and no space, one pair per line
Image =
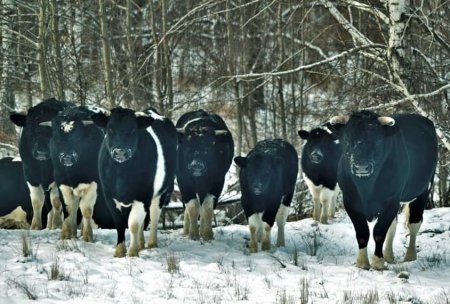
316,266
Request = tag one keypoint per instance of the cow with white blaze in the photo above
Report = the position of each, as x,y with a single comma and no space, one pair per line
319,161
205,153
267,176
386,160
74,149
37,166
137,162
14,191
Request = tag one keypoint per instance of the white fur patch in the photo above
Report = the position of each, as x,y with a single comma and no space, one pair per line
160,173
137,213
191,121
154,115
67,126
17,159
119,205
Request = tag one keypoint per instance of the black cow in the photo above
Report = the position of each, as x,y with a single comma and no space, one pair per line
137,163
267,177
74,148
13,188
320,157
205,153
385,161
37,166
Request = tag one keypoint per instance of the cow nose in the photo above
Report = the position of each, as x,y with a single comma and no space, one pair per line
197,167
121,155
68,159
316,156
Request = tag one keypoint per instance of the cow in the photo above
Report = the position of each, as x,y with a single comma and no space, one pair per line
386,160
13,188
267,177
74,148
37,166
205,153
137,163
319,161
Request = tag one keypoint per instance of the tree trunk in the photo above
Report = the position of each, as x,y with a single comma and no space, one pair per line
106,49
279,78
41,50
56,44
167,64
157,68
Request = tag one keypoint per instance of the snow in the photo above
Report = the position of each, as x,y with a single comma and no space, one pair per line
222,271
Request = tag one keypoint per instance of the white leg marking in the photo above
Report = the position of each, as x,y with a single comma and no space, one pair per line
206,217
69,229
37,201
155,212
388,248
160,165
57,215
281,217
255,227
265,243
378,263
186,222
332,210
315,193
362,261
326,198
411,252
192,209
88,194
135,224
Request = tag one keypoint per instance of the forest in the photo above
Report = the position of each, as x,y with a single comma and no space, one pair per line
269,67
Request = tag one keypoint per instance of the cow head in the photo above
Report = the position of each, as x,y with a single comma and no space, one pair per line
363,137
122,127
198,147
258,170
36,136
319,143
68,133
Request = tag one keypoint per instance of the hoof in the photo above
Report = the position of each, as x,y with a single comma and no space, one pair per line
378,263
121,251
265,246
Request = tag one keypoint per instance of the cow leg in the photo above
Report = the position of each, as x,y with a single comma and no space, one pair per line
120,223
56,214
414,218
192,208
332,209
315,193
379,234
135,224
326,198
362,237
155,212
388,249
268,219
206,217
37,196
281,221
186,222
255,227
69,227
88,194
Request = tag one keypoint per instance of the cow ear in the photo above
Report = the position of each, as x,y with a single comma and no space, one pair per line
18,119
303,134
241,161
100,119
144,121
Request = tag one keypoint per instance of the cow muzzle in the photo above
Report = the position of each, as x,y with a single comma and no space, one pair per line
121,155
362,169
68,159
41,154
197,168
316,157
257,188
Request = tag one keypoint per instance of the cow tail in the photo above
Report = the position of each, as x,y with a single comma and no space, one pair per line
430,202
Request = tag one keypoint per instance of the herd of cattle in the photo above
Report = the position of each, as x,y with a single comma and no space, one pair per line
117,169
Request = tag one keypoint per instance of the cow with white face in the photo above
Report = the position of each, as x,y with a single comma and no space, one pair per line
205,153
137,162
74,148
386,160
37,166
319,161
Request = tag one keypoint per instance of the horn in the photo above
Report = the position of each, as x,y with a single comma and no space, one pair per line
220,132
46,124
341,119
87,122
181,130
386,121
